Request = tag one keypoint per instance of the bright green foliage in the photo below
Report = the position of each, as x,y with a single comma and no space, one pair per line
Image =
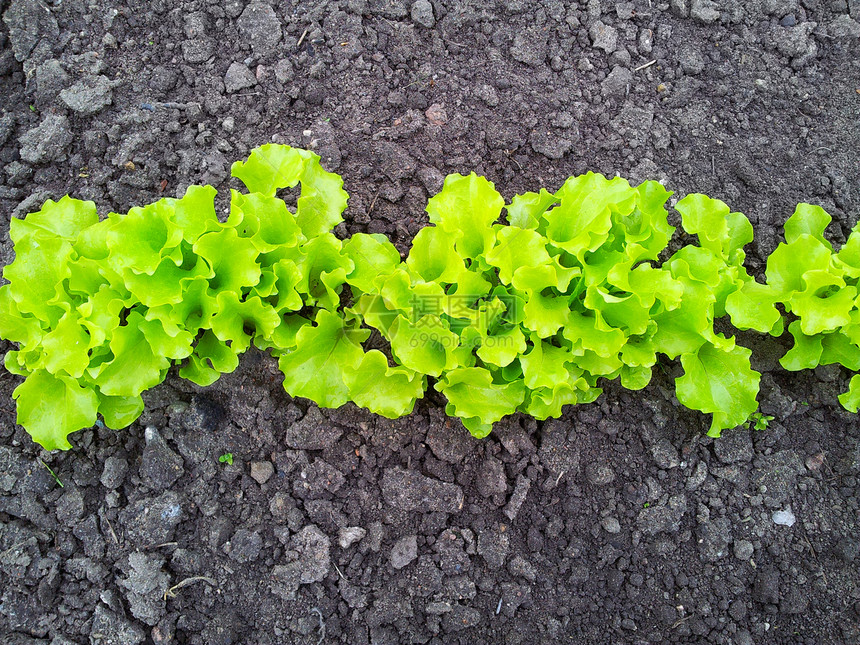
759,421
820,288
102,310
526,316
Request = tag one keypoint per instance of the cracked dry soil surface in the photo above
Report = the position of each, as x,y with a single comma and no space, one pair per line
618,523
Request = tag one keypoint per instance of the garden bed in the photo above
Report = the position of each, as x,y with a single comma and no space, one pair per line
620,522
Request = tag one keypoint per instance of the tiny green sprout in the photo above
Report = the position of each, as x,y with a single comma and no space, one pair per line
32,108
760,421
53,474
226,458
646,504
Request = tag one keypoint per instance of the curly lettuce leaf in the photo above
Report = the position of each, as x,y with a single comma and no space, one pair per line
51,407
718,229
315,369
384,390
720,382
64,219
466,208
372,256
272,167
477,400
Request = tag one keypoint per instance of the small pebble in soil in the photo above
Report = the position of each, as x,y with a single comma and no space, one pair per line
784,517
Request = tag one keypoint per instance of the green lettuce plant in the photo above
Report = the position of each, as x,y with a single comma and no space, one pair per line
502,307
819,288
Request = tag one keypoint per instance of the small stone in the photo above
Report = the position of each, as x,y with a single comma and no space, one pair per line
114,472
238,77
646,41
46,142
422,14
521,489
436,114
599,474
493,546
611,525
244,546
784,517
704,11
617,84
260,27
603,37
408,491
262,471
89,95
766,586
743,550
350,535
665,454
312,432
530,47
692,61
404,551
491,478
844,27
160,467
284,71
109,628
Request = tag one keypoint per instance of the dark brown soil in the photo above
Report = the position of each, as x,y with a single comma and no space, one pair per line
620,522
